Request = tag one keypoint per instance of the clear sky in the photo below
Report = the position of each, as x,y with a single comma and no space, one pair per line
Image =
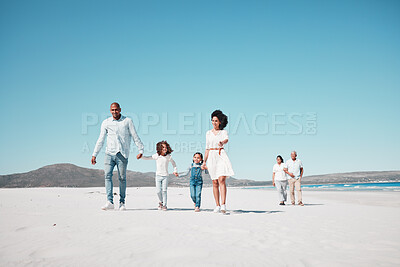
319,77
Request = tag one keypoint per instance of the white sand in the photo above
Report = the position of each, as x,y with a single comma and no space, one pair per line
65,227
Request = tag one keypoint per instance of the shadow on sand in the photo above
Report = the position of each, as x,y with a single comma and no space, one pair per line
305,204
312,204
255,211
212,211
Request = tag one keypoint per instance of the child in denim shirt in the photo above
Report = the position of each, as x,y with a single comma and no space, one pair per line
196,179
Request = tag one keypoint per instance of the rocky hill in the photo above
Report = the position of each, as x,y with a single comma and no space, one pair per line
69,175
353,177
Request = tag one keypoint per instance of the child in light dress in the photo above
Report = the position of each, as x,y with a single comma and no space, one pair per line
163,157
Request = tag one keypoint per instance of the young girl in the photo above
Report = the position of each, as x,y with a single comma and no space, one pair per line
219,165
162,158
196,180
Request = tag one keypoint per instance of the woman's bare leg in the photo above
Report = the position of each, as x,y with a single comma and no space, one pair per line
216,191
222,186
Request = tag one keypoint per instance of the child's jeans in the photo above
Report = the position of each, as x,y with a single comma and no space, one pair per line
161,188
195,190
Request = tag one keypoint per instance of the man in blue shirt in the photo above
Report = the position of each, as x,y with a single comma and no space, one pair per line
295,171
119,130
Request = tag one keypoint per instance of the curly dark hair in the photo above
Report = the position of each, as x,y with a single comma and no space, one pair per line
159,147
201,156
223,119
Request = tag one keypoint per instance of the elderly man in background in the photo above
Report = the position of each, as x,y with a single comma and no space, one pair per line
295,171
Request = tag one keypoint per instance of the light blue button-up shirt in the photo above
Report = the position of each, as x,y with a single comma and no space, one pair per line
119,134
294,167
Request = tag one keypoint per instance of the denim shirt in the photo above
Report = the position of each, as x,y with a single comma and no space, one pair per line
196,171
118,134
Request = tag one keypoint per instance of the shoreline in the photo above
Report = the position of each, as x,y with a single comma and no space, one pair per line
306,186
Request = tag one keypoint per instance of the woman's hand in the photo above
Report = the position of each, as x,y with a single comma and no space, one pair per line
204,166
176,174
223,142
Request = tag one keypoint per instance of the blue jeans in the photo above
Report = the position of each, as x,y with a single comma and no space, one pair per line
195,190
161,188
110,162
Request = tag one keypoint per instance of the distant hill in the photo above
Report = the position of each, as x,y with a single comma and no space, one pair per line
353,177
69,175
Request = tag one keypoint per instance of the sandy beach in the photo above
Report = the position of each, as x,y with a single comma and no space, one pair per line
66,227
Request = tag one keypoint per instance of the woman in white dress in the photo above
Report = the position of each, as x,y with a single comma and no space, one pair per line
216,160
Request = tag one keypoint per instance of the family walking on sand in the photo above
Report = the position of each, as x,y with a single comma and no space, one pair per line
118,130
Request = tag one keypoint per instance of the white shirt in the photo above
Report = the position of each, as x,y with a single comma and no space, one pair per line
280,175
119,134
294,167
162,163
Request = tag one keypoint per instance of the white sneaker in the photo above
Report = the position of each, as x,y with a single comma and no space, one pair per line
108,206
217,209
223,208
122,206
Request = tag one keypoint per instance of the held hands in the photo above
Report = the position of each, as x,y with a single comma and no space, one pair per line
273,183
139,156
289,173
176,174
204,166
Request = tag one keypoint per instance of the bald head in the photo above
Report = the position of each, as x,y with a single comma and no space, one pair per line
115,110
115,104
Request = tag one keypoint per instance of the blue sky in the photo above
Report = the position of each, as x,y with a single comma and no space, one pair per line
321,76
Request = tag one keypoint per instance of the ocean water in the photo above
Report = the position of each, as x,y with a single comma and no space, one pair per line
394,186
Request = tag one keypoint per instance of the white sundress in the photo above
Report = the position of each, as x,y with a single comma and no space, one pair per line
218,165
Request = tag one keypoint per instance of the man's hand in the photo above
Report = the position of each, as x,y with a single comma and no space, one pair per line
139,156
176,174
93,160
273,183
291,174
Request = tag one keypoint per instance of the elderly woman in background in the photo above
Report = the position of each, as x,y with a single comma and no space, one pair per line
279,179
